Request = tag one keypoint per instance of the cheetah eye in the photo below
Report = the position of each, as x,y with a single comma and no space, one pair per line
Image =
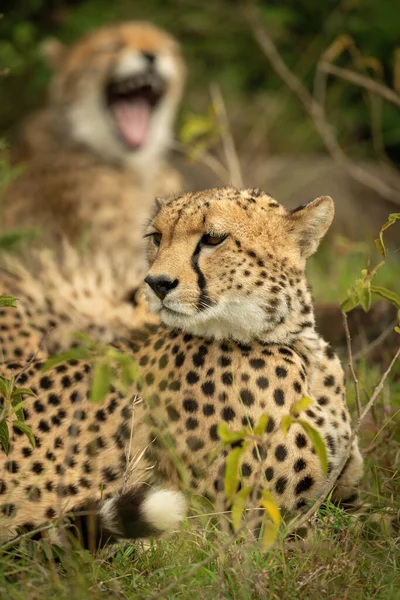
156,235
212,240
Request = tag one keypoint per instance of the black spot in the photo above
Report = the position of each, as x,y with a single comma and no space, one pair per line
208,410
280,485
11,466
66,381
110,474
329,381
50,513
192,377
299,465
213,432
179,359
190,405
281,372
246,470
257,363
191,423
297,387
38,406
224,361
8,510
247,397
279,397
304,484
54,400
100,415
37,467
34,493
301,440
227,378
194,443
173,414
262,383
208,388
323,401
280,452
331,443
46,383
74,397
329,353
3,487
26,452
228,413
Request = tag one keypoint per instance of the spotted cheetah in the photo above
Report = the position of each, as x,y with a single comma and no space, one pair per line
237,341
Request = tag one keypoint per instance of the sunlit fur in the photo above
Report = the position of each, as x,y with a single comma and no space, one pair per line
254,285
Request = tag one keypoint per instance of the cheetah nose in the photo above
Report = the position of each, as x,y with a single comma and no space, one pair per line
149,56
161,284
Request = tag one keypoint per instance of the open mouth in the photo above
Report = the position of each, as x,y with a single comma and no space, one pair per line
131,101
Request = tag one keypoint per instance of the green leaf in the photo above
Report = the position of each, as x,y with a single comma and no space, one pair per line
232,468
317,442
11,241
239,506
228,436
9,301
286,422
271,507
379,242
271,521
261,425
270,534
387,294
351,302
72,354
18,392
364,293
4,386
4,436
300,405
27,431
101,380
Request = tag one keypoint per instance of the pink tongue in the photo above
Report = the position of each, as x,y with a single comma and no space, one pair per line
133,120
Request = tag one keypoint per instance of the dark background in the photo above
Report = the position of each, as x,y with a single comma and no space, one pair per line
218,46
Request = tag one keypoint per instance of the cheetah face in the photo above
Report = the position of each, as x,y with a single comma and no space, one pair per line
229,263
119,89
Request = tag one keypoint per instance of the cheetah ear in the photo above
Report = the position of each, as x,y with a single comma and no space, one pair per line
310,222
52,51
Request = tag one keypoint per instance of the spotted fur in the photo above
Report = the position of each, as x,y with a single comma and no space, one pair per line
237,340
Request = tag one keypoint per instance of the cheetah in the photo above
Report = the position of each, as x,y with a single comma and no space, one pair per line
237,341
94,157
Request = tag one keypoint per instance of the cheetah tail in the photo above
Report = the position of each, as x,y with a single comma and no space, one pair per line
138,513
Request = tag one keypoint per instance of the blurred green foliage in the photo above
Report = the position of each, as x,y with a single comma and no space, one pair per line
218,46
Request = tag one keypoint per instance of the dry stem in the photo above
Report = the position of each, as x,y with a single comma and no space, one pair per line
228,143
351,365
314,109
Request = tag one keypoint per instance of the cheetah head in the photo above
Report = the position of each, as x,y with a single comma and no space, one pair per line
117,90
230,263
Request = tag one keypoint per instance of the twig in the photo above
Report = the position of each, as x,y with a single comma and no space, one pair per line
315,110
206,159
228,143
361,80
299,521
376,342
23,536
351,365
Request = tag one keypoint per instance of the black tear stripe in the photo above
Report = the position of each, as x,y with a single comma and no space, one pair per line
204,300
